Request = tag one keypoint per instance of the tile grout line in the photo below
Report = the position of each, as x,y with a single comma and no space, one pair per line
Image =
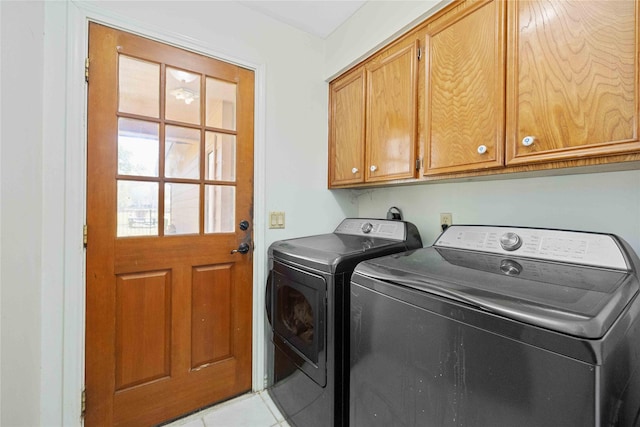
264,402
279,417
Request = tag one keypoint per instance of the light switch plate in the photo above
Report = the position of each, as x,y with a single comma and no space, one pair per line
276,219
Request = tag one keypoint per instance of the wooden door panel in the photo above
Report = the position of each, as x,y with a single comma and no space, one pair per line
168,305
573,79
391,115
132,407
143,328
211,298
135,255
465,90
347,142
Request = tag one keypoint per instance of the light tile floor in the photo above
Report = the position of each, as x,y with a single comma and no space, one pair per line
249,410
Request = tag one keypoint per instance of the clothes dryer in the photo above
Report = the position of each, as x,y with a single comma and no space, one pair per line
307,304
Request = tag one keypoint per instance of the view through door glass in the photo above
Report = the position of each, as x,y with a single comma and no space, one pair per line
170,175
197,147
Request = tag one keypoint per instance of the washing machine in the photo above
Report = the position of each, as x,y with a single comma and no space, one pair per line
498,327
307,305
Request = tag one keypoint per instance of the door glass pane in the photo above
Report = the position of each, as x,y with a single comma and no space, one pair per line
181,208
220,157
182,96
137,147
137,213
221,104
182,152
220,209
138,87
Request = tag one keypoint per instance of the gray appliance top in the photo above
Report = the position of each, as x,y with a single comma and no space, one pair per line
575,283
353,240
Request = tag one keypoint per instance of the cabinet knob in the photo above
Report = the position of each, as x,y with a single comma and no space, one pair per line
373,168
354,170
528,140
482,149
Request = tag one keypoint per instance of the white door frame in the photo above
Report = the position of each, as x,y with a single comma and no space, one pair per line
73,202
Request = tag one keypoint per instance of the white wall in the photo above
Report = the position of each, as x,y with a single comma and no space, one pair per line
605,202
21,216
372,26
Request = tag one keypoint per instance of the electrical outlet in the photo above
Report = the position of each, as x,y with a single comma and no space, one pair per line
446,219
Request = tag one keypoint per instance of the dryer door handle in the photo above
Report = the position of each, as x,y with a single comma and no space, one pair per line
267,297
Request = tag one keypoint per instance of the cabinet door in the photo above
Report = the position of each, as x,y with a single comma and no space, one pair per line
392,83
572,84
346,140
465,90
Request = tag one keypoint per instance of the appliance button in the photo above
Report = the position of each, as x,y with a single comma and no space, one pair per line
510,241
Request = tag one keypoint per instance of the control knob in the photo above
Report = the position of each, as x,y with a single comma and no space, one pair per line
510,267
367,227
510,241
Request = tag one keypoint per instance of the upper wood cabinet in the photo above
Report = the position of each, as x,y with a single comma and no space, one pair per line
503,86
572,80
347,130
464,111
391,123
373,119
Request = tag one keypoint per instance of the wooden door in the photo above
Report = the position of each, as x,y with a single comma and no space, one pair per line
347,130
465,89
572,87
170,157
391,125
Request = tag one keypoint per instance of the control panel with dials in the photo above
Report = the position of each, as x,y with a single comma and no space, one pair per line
585,248
380,228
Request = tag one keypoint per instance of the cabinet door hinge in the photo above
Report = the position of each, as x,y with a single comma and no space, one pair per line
83,403
86,70
419,54
84,235
418,163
